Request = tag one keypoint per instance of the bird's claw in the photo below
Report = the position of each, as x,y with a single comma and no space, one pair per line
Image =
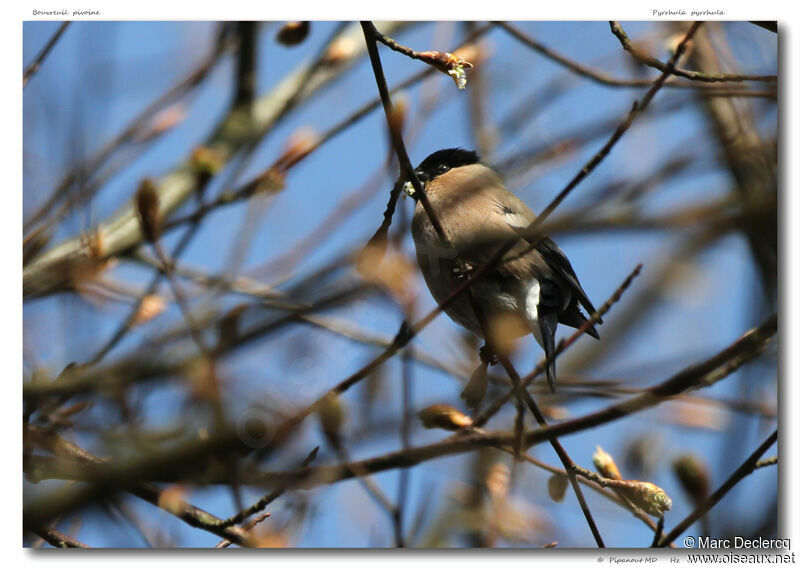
463,272
403,335
487,356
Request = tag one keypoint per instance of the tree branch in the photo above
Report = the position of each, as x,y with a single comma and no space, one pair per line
628,46
36,64
746,468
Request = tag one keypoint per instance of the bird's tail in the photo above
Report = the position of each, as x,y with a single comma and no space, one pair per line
548,322
573,316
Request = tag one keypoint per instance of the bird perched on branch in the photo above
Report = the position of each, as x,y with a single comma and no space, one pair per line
530,291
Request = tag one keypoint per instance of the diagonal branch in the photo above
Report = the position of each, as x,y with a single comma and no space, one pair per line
58,539
746,468
371,35
445,62
264,501
579,68
569,465
650,61
36,64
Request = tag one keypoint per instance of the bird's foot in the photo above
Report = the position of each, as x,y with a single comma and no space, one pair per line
463,272
487,356
403,335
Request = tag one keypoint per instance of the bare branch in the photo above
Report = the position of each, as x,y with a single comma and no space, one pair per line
628,46
746,468
60,540
36,64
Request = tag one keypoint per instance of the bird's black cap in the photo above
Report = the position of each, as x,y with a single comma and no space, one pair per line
443,160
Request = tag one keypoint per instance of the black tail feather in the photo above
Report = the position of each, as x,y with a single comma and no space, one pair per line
548,322
574,318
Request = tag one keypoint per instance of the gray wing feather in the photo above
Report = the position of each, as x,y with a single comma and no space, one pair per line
518,215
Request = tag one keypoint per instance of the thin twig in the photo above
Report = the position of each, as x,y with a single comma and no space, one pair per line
445,62
136,369
36,64
588,482
60,540
650,61
771,461
658,532
746,468
575,67
265,500
569,464
247,527
180,297
405,440
609,80
247,62
371,35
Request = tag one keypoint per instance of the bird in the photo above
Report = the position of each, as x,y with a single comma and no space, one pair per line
530,291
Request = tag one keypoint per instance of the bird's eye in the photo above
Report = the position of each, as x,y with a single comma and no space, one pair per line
442,168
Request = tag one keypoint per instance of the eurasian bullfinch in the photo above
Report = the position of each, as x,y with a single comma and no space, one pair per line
528,292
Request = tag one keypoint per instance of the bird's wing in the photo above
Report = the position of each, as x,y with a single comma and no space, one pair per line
558,261
485,203
519,216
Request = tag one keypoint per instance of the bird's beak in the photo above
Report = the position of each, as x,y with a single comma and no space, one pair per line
408,187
